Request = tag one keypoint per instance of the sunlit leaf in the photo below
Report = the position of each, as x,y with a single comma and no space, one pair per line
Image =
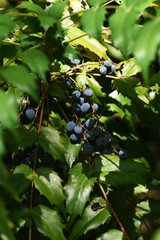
48,222
56,10
6,26
112,234
127,68
46,22
31,7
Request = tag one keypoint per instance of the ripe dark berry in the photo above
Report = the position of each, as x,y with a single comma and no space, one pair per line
111,69
122,154
106,151
76,94
85,107
99,141
87,149
78,130
70,127
88,93
76,107
30,113
107,138
82,100
97,131
95,106
107,64
75,61
67,83
103,70
90,123
89,135
73,138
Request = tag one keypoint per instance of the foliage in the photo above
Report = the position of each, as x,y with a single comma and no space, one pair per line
50,187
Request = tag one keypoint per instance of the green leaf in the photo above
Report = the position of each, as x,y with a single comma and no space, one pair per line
31,7
146,45
96,18
46,22
20,77
96,2
52,143
56,9
127,68
5,230
6,26
49,184
8,109
112,234
37,61
91,219
72,153
21,178
77,191
78,37
48,222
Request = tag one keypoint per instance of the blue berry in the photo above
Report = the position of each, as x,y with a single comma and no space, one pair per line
30,113
107,64
67,83
73,138
106,151
107,138
90,123
70,127
89,135
111,69
95,106
78,130
103,70
82,100
123,154
88,93
76,107
76,94
85,107
75,61
97,131
99,141
87,149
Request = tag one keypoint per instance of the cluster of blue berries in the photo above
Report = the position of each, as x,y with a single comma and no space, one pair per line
107,68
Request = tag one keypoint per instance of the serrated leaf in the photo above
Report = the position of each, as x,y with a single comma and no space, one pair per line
31,7
48,222
127,68
49,185
52,143
146,45
78,37
112,234
6,26
5,229
20,77
72,153
77,191
95,17
91,219
56,9
46,22
8,109
37,61
21,178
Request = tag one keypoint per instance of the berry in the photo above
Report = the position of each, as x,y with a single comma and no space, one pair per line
70,127
103,70
73,138
75,61
107,64
111,69
76,94
78,130
107,138
30,113
87,149
95,106
67,83
106,151
99,141
89,123
122,154
76,107
85,107
82,100
97,131
88,93
89,135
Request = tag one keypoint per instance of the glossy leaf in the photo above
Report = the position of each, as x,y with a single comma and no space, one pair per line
20,77
46,22
95,18
31,7
37,61
49,185
48,222
56,10
77,191
72,153
6,26
52,143
127,68
78,37
5,230
91,219
96,2
112,234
